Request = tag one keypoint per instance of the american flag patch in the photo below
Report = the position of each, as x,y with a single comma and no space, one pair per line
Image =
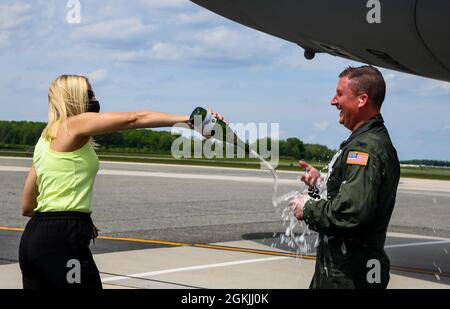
357,158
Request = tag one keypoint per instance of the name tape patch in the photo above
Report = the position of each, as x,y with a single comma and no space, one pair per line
357,158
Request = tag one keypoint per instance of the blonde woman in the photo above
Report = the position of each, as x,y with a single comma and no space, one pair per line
58,190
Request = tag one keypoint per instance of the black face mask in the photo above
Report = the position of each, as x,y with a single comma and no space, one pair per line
92,106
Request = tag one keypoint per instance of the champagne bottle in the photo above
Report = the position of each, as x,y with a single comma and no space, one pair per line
209,126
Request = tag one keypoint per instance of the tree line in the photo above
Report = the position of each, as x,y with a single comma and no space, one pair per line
438,163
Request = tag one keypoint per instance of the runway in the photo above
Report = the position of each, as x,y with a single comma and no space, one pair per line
174,224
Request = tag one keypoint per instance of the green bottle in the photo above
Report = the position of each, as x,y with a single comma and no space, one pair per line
209,126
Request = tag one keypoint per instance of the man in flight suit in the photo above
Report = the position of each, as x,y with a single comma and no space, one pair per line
361,187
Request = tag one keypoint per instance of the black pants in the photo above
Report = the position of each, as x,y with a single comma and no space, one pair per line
54,252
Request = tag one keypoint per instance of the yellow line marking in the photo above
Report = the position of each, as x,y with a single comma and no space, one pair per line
417,270
149,241
267,252
238,249
15,229
178,244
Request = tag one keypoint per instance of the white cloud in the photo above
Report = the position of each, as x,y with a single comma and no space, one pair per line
428,88
48,8
76,52
129,56
194,44
216,45
408,84
164,51
13,15
439,85
177,38
310,139
224,45
114,30
390,77
321,126
238,41
219,37
4,39
158,51
97,76
202,16
166,4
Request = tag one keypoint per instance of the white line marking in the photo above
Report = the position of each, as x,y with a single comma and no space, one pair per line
189,176
415,236
227,168
226,264
174,270
17,158
14,169
424,192
193,176
413,244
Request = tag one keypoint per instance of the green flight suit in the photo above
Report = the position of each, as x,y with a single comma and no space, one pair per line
352,222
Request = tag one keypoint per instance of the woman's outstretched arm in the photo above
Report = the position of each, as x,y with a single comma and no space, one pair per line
91,124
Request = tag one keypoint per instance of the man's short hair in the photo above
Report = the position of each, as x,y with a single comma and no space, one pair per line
366,79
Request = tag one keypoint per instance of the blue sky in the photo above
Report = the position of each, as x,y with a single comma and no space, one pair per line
171,55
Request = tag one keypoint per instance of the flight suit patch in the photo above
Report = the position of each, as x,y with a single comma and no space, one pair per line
357,158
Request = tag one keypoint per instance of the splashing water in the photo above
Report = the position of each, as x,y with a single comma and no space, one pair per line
437,267
295,240
289,237
272,170
281,204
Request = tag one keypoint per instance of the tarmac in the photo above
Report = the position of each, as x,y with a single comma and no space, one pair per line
172,227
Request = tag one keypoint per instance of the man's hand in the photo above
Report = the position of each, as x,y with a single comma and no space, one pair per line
297,205
312,176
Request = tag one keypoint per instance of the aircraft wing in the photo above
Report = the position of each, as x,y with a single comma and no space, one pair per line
411,36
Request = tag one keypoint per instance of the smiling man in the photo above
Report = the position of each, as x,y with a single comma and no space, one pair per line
361,185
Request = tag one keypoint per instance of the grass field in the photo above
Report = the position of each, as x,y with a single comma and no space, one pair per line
426,172
284,164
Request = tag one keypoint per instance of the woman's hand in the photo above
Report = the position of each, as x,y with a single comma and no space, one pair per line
208,127
218,116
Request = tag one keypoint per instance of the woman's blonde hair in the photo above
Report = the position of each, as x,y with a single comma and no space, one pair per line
67,96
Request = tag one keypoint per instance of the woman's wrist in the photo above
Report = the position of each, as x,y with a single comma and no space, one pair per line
184,119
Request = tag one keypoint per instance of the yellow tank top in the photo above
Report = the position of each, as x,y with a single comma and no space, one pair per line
64,179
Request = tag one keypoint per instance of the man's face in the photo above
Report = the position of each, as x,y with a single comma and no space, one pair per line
347,103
